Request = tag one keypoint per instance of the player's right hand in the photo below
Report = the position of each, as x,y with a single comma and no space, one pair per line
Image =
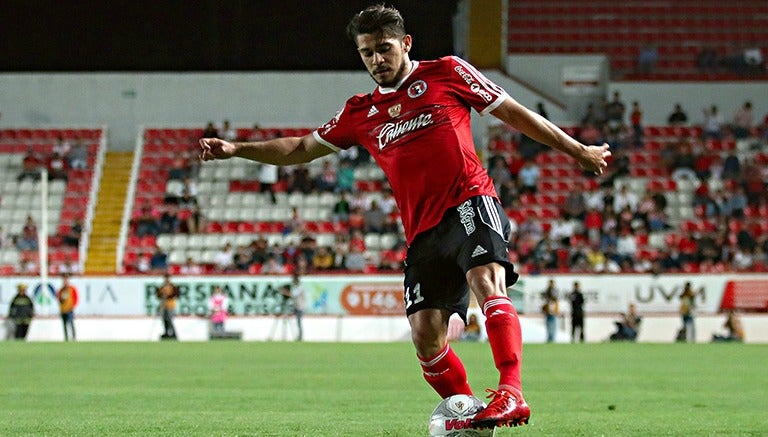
215,148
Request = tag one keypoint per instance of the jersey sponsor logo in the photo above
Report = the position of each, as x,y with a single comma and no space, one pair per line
417,88
391,132
474,86
373,111
466,214
394,110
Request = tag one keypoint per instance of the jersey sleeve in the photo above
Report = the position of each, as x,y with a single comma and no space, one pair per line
473,87
338,133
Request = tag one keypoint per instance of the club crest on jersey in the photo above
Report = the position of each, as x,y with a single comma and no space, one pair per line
417,88
394,111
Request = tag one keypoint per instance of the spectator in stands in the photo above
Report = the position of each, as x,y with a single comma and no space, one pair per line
224,259
614,112
626,246
619,169
743,121
393,259
142,262
669,259
562,231
677,116
341,209
273,266
509,193
625,197
307,248
355,260
61,147
57,168
179,168
340,250
210,131
356,220
735,203
158,262
590,117
30,166
636,121
68,266
731,167
375,219
326,180
713,124
684,162
195,220
227,132
295,223
646,60
708,60
499,172
169,220
190,267
78,157
575,206
241,259
27,241
74,233
529,177
323,259
300,180
345,177
259,250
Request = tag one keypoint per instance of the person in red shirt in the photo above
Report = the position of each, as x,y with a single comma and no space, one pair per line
416,126
67,297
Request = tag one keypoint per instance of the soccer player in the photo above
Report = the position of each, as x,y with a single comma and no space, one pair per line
416,125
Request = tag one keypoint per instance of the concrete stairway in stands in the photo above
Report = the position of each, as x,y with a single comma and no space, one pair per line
102,251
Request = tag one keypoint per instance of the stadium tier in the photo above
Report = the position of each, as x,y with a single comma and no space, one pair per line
233,209
678,31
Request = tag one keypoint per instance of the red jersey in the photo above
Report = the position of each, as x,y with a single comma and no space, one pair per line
419,133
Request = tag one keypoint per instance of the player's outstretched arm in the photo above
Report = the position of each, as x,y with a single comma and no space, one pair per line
590,158
278,151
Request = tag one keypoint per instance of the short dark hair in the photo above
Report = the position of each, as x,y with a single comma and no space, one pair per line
377,19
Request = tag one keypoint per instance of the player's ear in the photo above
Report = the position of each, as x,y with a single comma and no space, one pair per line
407,42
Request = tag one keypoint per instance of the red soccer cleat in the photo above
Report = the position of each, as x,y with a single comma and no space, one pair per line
505,409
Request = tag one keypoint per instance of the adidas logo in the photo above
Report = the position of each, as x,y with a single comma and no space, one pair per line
479,251
373,111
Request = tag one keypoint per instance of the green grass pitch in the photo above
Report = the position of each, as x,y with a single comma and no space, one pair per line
323,389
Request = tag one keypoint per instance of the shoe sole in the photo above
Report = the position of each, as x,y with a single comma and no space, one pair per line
490,423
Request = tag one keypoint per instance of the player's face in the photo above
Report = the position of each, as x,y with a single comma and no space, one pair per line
386,58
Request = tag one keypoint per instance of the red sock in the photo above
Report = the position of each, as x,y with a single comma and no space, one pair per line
505,337
445,373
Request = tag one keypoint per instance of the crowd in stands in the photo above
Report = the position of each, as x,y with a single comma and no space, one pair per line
601,224
61,158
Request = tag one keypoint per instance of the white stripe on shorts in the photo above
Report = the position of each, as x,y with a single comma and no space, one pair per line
491,216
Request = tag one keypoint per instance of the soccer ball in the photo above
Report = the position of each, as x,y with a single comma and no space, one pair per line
452,417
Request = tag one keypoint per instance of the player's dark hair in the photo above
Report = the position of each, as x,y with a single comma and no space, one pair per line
377,20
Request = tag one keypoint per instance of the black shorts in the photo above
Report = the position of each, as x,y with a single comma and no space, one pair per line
469,235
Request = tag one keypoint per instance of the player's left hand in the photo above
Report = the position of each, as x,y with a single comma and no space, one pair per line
594,158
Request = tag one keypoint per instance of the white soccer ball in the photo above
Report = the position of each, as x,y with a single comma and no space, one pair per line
453,415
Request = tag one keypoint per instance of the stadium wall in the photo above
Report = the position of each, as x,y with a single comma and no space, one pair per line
125,101
370,308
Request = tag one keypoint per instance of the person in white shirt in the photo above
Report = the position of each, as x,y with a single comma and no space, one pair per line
224,260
